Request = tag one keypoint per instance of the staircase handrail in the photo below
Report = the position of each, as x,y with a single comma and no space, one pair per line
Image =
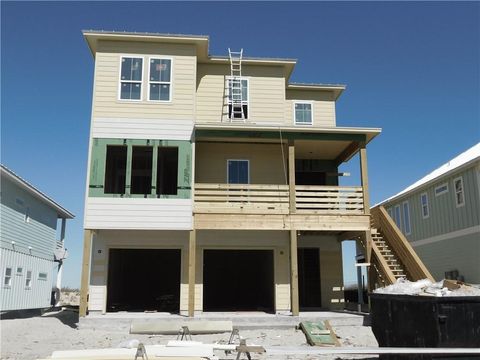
399,244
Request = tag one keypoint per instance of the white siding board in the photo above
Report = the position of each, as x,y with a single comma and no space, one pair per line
152,214
132,128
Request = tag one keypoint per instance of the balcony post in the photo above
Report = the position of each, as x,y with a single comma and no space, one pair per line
192,247
294,273
291,176
366,197
84,284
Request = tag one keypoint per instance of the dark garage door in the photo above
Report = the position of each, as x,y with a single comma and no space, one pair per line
144,279
238,280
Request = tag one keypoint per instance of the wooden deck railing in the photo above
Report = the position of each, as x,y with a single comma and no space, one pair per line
244,199
329,199
399,244
275,199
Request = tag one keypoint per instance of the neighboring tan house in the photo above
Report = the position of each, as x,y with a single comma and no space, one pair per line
440,216
213,182
30,249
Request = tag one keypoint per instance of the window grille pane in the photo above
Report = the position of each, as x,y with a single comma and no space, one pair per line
131,69
160,70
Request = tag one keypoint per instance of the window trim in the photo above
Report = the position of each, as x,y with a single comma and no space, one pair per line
119,95
404,218
295,115
427,206
455,192
440,186
249,117
248,168
9,285
170,94
27,278
42,272
19,273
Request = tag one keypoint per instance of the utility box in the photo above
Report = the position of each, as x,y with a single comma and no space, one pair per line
425,321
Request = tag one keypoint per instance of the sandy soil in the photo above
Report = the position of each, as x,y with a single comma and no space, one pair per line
39,336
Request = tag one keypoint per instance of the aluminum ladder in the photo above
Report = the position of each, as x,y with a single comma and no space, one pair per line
235,85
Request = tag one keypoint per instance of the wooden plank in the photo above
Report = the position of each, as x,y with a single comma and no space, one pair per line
318,334
192,250
275,192
291,176
294,273
240,197
347,153
330,206
275,351
328,188
364,176
84,283
205,186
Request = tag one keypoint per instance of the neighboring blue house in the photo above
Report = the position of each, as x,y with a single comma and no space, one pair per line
440,217
31,252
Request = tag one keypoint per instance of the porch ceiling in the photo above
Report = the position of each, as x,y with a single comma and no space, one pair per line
323,150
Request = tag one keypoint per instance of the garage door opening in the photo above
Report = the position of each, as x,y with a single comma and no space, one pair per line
144,280
238,280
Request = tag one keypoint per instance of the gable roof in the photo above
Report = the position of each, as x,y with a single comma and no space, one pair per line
61,211
464,159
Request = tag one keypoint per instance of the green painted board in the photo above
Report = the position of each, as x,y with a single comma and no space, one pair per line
319,333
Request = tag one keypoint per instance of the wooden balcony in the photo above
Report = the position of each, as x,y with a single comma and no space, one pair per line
252,206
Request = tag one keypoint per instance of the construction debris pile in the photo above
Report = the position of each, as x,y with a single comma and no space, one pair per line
427,288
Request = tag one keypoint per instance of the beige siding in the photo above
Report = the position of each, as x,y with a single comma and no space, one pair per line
106,90
266,165
266,93
323,106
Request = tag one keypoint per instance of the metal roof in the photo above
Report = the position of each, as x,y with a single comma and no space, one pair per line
464,159
61,211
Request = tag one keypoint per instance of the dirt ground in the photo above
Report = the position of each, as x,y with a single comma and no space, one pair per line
39,336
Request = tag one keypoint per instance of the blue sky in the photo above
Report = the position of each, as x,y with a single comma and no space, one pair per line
412,69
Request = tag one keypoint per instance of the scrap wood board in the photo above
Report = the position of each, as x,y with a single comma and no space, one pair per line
319,333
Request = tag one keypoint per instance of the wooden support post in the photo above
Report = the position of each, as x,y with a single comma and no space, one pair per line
364,174
294,273
84,285
368,246
291,176
192,250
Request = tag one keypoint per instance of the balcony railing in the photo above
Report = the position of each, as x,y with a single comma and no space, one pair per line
329,199
275,199
245,199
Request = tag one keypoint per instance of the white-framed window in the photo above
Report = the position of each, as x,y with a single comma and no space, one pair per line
238,92
459,191
19,271
303,113
406,218
7,280
397,216
28,279
160,79
27,215
131,75
441,189
424,205
238,171
42,276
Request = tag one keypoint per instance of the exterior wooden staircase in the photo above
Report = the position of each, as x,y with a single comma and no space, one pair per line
392,256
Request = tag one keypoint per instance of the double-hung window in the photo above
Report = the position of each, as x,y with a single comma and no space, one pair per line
131,78
397,216
237,98
42,276
28,279
303,113
7,281
424,204
160,80
406,218
459,192
441,189
238,172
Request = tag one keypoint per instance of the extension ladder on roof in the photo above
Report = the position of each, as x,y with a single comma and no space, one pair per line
235,85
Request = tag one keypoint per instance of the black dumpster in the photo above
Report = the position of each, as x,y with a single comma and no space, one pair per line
425,321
